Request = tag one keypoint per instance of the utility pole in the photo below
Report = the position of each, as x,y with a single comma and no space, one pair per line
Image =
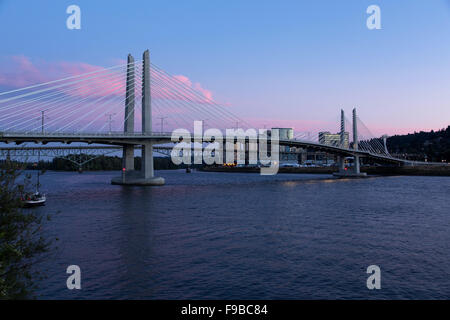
110,120
162,123
43,120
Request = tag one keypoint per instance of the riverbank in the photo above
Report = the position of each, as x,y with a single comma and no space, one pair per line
379,170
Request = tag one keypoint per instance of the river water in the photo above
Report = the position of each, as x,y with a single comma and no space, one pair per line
245,236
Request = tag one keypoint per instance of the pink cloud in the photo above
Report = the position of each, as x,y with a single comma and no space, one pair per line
196,86
184,79
179,87
205,92
19,71
99,93
297,125
23,73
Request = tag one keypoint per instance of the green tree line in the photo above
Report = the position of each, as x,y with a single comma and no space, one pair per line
433,145
100,163
22,241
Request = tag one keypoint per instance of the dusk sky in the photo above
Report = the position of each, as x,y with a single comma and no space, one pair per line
280,63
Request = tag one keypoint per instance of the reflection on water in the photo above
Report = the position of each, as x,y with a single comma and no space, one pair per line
224,236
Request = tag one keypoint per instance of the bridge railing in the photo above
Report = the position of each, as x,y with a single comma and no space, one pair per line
84,134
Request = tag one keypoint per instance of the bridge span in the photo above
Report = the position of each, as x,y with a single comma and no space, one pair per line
118,139
76,103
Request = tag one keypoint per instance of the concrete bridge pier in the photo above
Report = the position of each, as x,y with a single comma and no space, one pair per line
341,161
357,165
128,158
147,167
144,177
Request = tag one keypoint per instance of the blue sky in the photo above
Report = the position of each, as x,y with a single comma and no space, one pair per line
276,62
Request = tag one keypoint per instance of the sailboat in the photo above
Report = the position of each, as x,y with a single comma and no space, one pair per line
37,198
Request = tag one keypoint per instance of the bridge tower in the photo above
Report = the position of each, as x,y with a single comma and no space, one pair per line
128,150
356,172
356,160
355,143
342,142
147,168
144,177
385,143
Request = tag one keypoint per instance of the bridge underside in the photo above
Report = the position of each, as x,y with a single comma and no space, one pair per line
130,141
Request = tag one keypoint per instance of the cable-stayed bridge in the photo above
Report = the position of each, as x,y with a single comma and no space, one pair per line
139,104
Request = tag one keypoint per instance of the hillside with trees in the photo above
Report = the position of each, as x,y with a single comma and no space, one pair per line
433,146
100,163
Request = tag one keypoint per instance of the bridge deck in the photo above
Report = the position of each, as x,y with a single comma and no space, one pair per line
120,139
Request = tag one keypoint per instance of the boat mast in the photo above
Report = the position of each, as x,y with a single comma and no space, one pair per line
39,159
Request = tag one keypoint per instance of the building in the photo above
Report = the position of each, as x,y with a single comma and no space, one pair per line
285,133
286,153
332,139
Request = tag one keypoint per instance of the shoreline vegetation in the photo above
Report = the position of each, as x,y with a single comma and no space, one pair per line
434,146
23,243
101,163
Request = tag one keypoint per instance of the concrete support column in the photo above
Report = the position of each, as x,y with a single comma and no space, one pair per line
128,150
357,165
130,97
355,130
147,161
355,141
341,163
146,99
342,133
385,143
128,157
147,149
342,142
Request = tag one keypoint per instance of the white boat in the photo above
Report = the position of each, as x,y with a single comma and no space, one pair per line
34,200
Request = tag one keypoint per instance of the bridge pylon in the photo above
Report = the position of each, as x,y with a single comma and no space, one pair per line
341,159
354,172
144,177
128,150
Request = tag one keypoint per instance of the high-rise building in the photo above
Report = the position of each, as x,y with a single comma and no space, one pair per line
286,153
333,139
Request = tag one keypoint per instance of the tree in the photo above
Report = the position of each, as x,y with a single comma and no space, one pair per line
21,238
